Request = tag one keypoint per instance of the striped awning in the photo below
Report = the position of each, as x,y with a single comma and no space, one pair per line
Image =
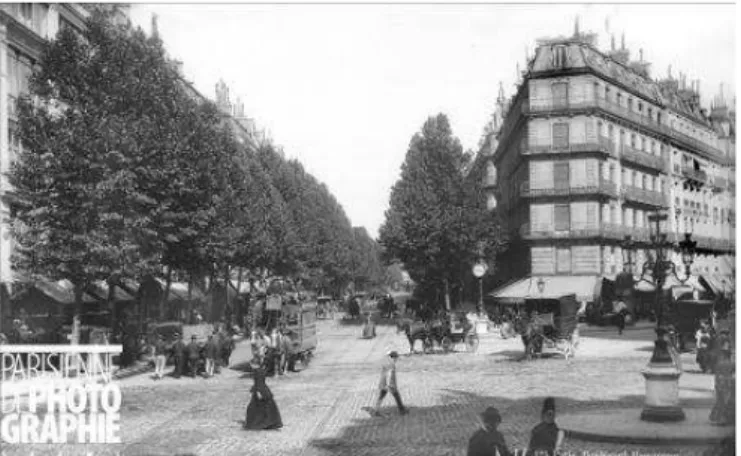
586,288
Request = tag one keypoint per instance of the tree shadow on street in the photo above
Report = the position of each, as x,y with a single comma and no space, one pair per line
445,429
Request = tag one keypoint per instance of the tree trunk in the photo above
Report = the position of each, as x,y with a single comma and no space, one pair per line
111,301
447,294
77,319
165,293
240,307
189,317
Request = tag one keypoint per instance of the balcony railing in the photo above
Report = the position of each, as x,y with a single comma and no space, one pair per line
601,187
695,174
644,196
642,158
602,144
604,231
625,113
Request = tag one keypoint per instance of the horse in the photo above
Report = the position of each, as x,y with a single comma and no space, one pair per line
414,331
531,337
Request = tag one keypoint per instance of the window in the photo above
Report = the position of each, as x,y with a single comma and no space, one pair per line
559,56
561,174
562,216
633,141
630,104
560,93
563,259
640,107
561,135
634,182
613,176
645,182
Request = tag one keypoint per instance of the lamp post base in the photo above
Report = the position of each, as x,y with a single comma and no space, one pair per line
662,414
662,386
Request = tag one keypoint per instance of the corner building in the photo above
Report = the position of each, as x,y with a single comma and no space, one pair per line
590,146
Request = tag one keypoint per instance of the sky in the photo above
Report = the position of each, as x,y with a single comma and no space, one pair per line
344,87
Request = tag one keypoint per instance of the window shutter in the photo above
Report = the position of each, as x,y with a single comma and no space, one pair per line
592,215
542,261
561,136
578,216
562,217
578,173
561,174
563,259
592,174
560,92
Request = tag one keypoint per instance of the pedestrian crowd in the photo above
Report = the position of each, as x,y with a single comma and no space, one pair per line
193,359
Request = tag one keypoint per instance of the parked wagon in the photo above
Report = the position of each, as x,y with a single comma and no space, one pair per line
300,322
550,324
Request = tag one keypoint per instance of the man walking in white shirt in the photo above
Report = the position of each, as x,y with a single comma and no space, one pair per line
388,384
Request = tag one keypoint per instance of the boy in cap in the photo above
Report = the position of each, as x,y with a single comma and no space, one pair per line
546,438
488,441
388,383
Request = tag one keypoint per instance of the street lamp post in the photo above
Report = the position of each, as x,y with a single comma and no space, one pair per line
663,371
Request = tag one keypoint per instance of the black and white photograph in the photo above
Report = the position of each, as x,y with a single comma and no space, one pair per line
368,229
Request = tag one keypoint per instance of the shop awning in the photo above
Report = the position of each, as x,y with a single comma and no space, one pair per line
62,292
586,288
719,284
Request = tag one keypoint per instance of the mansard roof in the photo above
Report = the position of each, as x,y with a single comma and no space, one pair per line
582,55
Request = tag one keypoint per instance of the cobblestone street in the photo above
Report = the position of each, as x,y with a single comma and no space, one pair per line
322,407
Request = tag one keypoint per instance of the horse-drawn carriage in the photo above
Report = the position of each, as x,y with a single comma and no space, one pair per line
549,324
446,332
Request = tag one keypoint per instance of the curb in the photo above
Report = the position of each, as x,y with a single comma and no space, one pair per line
642,434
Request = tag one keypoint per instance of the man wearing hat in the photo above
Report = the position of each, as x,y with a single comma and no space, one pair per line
488,441
178,351
194,355
388,383
546,438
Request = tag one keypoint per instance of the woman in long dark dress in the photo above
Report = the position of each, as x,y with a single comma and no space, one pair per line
262,413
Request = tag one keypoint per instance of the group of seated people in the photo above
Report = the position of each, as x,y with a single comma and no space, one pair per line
546,438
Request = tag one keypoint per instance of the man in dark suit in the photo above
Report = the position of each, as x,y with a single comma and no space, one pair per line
178,352
194,355
488,441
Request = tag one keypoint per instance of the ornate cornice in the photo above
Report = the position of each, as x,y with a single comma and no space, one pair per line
22,37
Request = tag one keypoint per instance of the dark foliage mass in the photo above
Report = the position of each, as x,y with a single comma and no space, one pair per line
126,172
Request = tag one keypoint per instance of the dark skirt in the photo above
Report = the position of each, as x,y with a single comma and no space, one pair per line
262,414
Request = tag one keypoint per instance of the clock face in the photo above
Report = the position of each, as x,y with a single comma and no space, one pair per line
479,270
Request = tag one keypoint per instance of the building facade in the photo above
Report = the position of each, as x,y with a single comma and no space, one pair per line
591,146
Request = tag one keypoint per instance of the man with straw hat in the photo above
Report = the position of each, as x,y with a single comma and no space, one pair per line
488,441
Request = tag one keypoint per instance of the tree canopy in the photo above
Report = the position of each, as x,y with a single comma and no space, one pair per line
126,172
437,223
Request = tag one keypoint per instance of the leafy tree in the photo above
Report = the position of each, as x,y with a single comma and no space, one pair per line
435,224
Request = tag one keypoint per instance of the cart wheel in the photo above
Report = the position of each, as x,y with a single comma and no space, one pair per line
472,343
446,344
